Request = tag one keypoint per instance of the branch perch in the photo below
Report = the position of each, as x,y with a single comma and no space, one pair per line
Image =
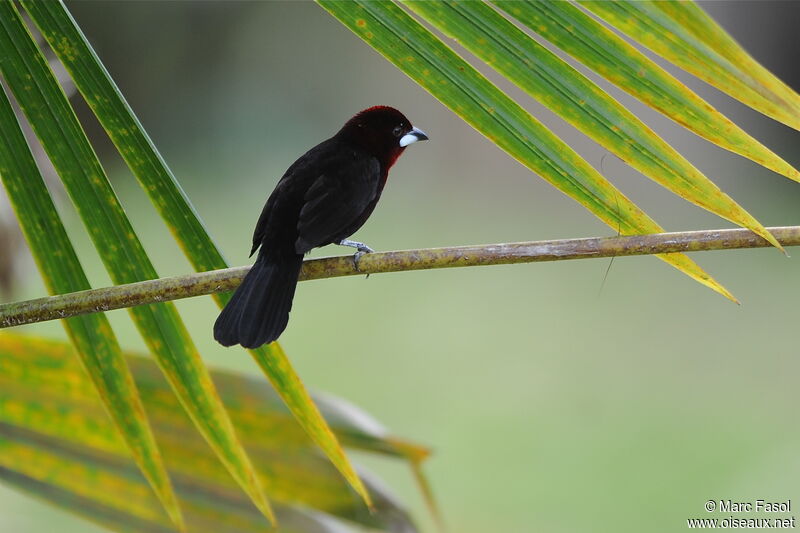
198,284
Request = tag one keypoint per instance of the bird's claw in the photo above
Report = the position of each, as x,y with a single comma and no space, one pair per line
361,250
357,258
364,249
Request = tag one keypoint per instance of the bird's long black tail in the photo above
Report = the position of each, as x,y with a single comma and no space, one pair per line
259,310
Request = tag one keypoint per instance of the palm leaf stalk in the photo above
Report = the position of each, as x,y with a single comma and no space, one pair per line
199,284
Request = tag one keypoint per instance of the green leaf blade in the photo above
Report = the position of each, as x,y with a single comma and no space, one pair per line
657,31
94,83
91,334
434,66
604,52
565,91
694,20
127,134
45,105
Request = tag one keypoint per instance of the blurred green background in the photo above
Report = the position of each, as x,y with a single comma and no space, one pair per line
552,402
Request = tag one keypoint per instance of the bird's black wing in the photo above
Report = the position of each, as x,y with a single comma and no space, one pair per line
289,191
336,202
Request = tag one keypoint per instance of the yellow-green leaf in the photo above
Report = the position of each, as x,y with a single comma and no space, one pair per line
91,335
600,49
563,90
156,179
653,28
40,97
110,494
693,19
45,400
429,62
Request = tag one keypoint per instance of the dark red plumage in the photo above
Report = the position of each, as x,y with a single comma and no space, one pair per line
323,198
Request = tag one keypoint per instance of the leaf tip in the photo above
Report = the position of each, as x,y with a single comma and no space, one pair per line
427,493
174,511
765,234
260,501
725,292
364,493
773,241
793,174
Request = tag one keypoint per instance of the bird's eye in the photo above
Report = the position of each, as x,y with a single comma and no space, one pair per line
397,130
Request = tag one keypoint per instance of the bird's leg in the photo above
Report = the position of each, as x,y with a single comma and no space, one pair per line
360,247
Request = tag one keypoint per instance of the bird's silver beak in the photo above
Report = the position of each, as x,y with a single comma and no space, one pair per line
412,136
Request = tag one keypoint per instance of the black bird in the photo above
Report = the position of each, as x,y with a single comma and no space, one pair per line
323,198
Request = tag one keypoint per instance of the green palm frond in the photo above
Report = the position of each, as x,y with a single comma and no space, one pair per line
484,30
28,75
91,334
156,179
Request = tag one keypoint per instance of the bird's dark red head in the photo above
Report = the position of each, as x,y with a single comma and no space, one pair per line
383,131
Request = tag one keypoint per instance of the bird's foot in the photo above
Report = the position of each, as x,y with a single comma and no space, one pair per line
360,246
361,250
